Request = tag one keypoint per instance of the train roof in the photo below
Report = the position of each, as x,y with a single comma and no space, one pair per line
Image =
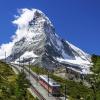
51,81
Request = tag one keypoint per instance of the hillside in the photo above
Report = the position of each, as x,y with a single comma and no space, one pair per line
77,90
9,83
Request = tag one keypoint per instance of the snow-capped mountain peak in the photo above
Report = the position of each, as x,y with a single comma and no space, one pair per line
36,41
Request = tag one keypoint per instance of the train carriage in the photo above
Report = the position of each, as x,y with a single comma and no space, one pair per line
52,86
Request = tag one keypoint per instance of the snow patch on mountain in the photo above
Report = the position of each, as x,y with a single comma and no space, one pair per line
27,55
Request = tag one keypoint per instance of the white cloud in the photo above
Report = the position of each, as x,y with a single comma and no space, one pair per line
5,48
21,20
25,16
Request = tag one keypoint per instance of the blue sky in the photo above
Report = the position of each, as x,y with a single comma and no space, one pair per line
77,21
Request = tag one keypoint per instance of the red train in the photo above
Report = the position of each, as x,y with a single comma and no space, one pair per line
52,86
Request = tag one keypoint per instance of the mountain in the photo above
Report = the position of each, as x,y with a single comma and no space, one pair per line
39,44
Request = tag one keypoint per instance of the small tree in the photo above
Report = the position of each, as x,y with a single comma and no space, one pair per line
21,87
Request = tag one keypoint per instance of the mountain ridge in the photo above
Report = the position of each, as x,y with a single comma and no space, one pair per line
36,41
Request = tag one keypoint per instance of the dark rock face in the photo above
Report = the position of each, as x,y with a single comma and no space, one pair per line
68,49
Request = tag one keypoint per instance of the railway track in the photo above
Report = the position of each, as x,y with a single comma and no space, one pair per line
37,93
33,88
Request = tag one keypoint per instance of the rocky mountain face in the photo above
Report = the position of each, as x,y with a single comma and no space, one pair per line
42,46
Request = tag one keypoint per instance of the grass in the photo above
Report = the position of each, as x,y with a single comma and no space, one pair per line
30,96
8,83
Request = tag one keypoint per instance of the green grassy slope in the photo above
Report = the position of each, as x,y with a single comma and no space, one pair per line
9,84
